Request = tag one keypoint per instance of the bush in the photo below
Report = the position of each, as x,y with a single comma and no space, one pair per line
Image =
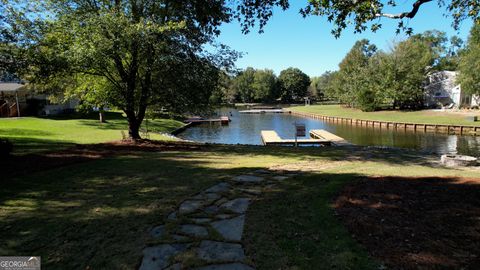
6,147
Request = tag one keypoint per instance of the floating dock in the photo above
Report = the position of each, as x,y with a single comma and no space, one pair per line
258,111
270,137
323,134
224,120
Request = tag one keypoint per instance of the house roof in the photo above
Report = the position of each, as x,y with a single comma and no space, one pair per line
10,87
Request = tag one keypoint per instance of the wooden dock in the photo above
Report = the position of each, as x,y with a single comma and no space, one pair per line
323,134
258,111
270,137
224,120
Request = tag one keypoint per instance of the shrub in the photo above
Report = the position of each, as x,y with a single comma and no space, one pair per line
6,147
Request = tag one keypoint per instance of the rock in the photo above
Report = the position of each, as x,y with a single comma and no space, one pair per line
189,206
251,191
158,232
177,266
238,206
158,257
223,216
213,209
228,266
194,230
218,188
280,177
172,216
209,197
212,251
180,238
262,171
248,179
230,229
201,220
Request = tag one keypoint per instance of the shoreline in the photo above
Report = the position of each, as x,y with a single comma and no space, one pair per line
422,127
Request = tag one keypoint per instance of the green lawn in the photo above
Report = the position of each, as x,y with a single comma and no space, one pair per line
33,134
97,215
420,117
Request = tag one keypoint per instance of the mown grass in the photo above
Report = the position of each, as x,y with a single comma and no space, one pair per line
420,117
97,214
33,134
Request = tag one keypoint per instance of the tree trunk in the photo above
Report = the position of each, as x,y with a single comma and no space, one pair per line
101,114
134,128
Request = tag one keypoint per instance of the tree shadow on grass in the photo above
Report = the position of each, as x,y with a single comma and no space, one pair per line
405,223
412,223
97,214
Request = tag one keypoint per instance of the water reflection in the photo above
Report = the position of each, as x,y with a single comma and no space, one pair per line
245,129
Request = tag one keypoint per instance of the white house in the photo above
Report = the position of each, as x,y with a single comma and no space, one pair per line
441,89
16,100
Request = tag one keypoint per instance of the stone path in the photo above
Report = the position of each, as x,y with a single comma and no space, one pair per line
206,230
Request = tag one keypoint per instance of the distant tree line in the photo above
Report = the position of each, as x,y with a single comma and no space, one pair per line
371,79
262,85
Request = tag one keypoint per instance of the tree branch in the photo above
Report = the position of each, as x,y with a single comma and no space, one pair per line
410,14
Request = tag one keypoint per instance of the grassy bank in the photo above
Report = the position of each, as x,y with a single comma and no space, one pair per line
420,117
33,134
97,214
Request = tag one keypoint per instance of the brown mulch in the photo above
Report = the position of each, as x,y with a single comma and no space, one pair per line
16,165
415,223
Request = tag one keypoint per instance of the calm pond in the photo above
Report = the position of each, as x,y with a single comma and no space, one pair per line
245,129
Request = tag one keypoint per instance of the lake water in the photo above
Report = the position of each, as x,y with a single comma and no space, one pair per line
245,129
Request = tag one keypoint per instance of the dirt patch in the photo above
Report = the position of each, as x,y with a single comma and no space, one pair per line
415,223
17,165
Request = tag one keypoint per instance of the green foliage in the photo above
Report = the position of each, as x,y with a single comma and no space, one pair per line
255,85
369,79
319,85
293,84
469,66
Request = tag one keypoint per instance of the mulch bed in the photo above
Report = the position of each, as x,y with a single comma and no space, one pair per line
415,223
17,165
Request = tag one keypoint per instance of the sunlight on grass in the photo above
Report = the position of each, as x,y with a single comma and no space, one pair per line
421,117
32,134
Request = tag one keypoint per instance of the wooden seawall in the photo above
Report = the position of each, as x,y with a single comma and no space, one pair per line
448,129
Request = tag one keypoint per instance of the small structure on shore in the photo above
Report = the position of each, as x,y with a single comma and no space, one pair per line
224,120
458,160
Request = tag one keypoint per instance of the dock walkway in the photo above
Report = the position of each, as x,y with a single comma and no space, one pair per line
323,134
270,137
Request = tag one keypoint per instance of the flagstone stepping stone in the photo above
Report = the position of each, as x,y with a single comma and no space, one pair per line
190,206
219,188
280,177
223,216
194,230
179,238
201,220
230,229
238,205
252,191
212,251
228,266
262,171
158,232
172,216
177,266
158,257
213,209
210,197
248,179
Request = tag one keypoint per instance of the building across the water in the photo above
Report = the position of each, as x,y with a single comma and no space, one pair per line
17,100
442,89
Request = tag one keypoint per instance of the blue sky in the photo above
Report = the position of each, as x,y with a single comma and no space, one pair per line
290,40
